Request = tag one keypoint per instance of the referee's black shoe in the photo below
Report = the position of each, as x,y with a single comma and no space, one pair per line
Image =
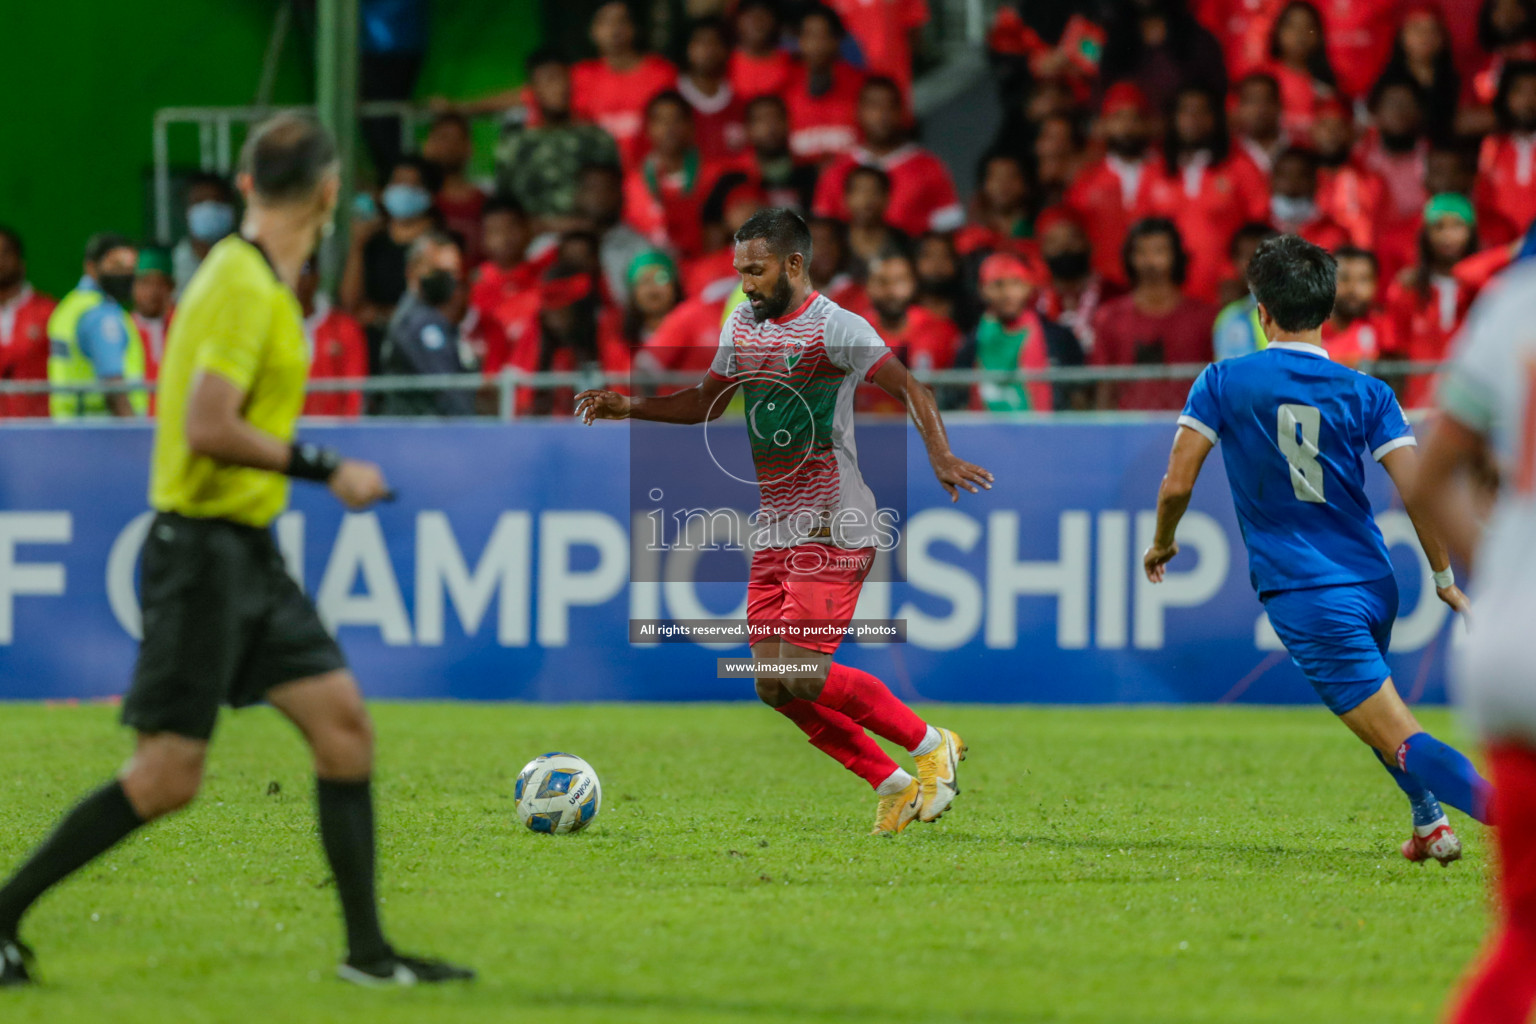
399,969
15,958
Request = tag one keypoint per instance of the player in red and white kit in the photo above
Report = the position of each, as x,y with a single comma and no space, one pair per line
1487,434
818,521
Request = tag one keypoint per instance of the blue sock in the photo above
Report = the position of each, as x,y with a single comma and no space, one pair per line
1447,772
1426,809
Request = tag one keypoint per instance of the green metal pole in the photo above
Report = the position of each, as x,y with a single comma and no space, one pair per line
336,96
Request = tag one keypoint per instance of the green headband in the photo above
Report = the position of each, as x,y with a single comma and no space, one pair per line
154,260
652,258
1450,204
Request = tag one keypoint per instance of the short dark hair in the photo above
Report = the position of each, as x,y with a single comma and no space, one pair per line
1253,231
1295,280
827,14
103,242
432,239
13,238
1149,227
709,23
1513,72
503,203
773,99
782,228
541,57
1263,77
1297,153
884,82
452,117
664,97
1354,252
212,180
287,157
430,174
867,171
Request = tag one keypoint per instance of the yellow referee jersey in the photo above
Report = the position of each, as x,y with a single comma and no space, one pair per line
235,319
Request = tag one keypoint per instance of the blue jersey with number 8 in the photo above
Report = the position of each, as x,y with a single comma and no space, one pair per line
1294,427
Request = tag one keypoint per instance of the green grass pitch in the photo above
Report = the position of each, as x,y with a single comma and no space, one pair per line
1101,865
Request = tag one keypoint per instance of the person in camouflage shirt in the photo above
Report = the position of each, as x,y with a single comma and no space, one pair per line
538,159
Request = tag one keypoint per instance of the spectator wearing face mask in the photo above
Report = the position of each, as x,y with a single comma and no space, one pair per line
24,314
1012,335
337,348
448,148
1073,291
375,275
1103,196
153,305
210,206
1293,207
423,334
92,337
1506,183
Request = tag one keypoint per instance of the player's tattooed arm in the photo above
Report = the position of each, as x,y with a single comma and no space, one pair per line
1184,463
705,401
953,472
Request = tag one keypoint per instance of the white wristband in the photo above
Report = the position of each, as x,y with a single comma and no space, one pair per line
1445,578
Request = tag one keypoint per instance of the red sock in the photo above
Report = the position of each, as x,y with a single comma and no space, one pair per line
868,702
1503,988
835,735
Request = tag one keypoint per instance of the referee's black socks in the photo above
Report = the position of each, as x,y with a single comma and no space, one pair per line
346,832
98,823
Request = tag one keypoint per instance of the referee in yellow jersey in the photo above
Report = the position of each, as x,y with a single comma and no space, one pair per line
223,621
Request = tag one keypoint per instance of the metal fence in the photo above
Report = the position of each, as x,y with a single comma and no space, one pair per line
506,384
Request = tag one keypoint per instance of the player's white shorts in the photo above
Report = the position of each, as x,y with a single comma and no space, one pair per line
1494,677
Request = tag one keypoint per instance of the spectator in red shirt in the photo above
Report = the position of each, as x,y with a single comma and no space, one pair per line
829,269
1421,53
1506,32
885,30
24,314
823,93
786,180
1347,191
612,89
718,113
664,192
501,290
337,348
153,293
1002,212
1359,40
1427,303
1204,188
923,196
920,340
1299,62
731,203
1506,183
1355,332
448,148
1060,151
867,198
1073,292
1396,149
1256,119
685,340
1155,324
1104,195
759,65
1293,205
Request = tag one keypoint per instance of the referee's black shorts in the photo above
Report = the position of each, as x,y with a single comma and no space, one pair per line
223,624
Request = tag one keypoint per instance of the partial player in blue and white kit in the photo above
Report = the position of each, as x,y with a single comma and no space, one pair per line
1294,427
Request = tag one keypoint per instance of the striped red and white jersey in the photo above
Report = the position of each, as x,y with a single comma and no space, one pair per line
798,374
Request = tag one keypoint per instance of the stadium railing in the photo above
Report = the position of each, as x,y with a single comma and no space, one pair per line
506,383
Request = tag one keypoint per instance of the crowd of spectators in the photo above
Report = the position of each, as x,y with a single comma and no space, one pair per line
1147,148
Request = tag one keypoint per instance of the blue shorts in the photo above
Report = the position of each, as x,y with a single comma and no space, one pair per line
1337,636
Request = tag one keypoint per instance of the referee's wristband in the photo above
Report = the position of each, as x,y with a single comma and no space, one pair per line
312,462
1445,578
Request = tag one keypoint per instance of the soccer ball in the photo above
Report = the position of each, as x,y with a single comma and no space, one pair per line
557,793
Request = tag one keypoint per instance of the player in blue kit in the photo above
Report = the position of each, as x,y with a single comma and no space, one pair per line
1294,425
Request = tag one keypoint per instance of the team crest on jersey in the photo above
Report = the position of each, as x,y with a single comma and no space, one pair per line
794,349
